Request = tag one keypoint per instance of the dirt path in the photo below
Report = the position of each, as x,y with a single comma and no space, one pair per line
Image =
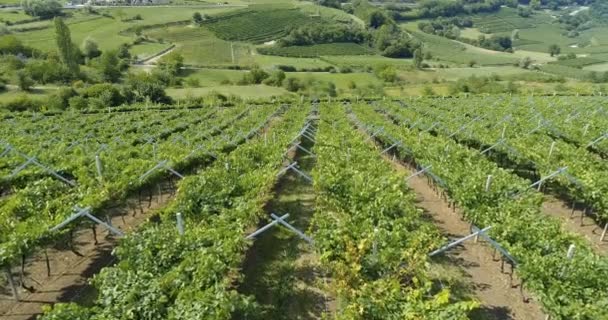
480,271
155,58
281,270
71,271
578,222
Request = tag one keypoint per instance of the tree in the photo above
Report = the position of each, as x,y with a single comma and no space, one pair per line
123,51
535,4
139,31
276,79
59,100
377,19
511,3
331,89
197,18
172,63
68,52
554,50
9,44
90,49
42,8
331,3
109,66
515,35
293,84
146,87
254,76
386,72
524,12
24,81
525,62
428,91
78,103
418,58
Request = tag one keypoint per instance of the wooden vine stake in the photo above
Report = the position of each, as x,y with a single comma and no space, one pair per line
488,183
11,282
48,263
375,245
551,149
604,232
570,253
487,189
180,224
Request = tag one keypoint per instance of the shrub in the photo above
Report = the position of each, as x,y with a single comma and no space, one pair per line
254,76
10,63
293,84
108,91
46,71
276,79
146,87
42,8
192,82
78,103
287,68
23,103
386,73
346,70
9,44
428,91
90,49
24,81
197,18
59,100
172,62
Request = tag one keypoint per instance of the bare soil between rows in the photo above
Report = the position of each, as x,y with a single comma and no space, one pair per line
499,296
578,223
71,271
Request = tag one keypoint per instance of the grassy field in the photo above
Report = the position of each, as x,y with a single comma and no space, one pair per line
214,77
255,91
602,67
566,71
416,90
12,16
365,61
328,49
471,33
452,74
108,32
578,62
13,93
265,61
541,37
459,53
341,80
538,32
